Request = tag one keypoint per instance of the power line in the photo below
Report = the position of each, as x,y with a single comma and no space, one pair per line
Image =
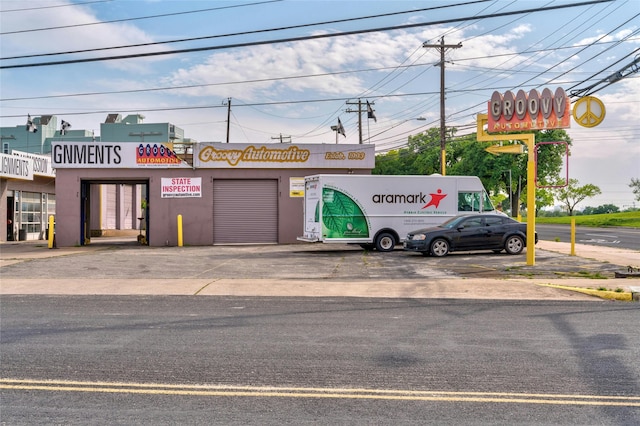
290,27
527,63
138,18
406,67
292,77
272,103
302,38
51,7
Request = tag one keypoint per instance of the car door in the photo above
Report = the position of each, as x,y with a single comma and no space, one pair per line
470,234
494,231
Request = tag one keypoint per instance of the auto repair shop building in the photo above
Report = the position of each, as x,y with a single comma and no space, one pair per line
224,193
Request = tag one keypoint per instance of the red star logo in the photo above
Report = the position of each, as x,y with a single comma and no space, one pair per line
435,199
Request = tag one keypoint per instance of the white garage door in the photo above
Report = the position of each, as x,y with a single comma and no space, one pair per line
245,211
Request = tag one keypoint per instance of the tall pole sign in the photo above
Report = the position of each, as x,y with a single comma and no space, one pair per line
521,112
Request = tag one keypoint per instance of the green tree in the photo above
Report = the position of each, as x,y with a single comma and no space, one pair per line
465,156
396,162
635,187
572,194
603,209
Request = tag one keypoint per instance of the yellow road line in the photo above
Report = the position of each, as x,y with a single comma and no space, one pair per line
338,393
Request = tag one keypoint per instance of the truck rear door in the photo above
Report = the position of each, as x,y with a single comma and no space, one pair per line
312,209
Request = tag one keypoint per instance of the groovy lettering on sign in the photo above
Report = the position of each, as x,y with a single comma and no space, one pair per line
532,111
252,154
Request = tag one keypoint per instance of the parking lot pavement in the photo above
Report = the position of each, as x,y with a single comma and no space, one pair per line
120,267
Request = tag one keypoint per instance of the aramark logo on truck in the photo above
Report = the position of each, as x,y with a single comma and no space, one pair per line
410,198
435,199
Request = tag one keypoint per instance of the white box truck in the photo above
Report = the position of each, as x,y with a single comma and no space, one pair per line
378,211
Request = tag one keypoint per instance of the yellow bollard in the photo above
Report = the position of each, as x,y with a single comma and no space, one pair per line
51,237
573,236
179,230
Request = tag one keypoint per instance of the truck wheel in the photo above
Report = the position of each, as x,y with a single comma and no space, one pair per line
385,242
514,244
439,247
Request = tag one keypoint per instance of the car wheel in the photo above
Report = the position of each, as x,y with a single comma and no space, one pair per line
439,247
514,244
385,242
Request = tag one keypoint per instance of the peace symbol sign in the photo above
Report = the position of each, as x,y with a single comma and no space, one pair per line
588,111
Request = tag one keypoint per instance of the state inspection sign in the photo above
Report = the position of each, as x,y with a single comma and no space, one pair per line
181,187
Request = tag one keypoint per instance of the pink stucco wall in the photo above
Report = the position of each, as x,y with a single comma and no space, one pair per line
197,213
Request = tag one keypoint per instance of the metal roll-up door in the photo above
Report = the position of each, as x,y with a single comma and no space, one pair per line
245,211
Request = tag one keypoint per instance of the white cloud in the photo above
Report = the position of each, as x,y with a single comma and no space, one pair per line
84,32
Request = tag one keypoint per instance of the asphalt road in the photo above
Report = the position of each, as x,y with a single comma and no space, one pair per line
627,238
232,361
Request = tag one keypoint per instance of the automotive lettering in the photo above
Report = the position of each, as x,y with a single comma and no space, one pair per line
252,154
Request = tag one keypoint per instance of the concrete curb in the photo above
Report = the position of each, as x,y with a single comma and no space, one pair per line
603,294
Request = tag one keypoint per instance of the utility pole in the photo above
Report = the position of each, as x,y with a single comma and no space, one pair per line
442,49
359,111
228,104
281,138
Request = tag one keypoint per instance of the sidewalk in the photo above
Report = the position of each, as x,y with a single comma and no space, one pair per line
447,288
613,255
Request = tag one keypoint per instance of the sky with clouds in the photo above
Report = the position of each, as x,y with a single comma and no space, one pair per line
289,68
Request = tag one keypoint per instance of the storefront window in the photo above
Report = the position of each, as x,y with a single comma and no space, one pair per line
31,213
51,206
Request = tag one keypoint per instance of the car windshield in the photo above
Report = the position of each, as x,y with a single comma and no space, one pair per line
453,222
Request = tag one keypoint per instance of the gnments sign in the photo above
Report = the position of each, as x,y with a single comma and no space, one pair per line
532,111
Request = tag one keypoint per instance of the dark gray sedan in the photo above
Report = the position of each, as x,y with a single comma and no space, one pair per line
470,232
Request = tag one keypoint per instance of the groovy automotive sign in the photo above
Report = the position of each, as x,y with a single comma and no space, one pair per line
283,156
113,155
529,111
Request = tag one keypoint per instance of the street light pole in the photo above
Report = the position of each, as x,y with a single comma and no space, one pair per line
335,129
